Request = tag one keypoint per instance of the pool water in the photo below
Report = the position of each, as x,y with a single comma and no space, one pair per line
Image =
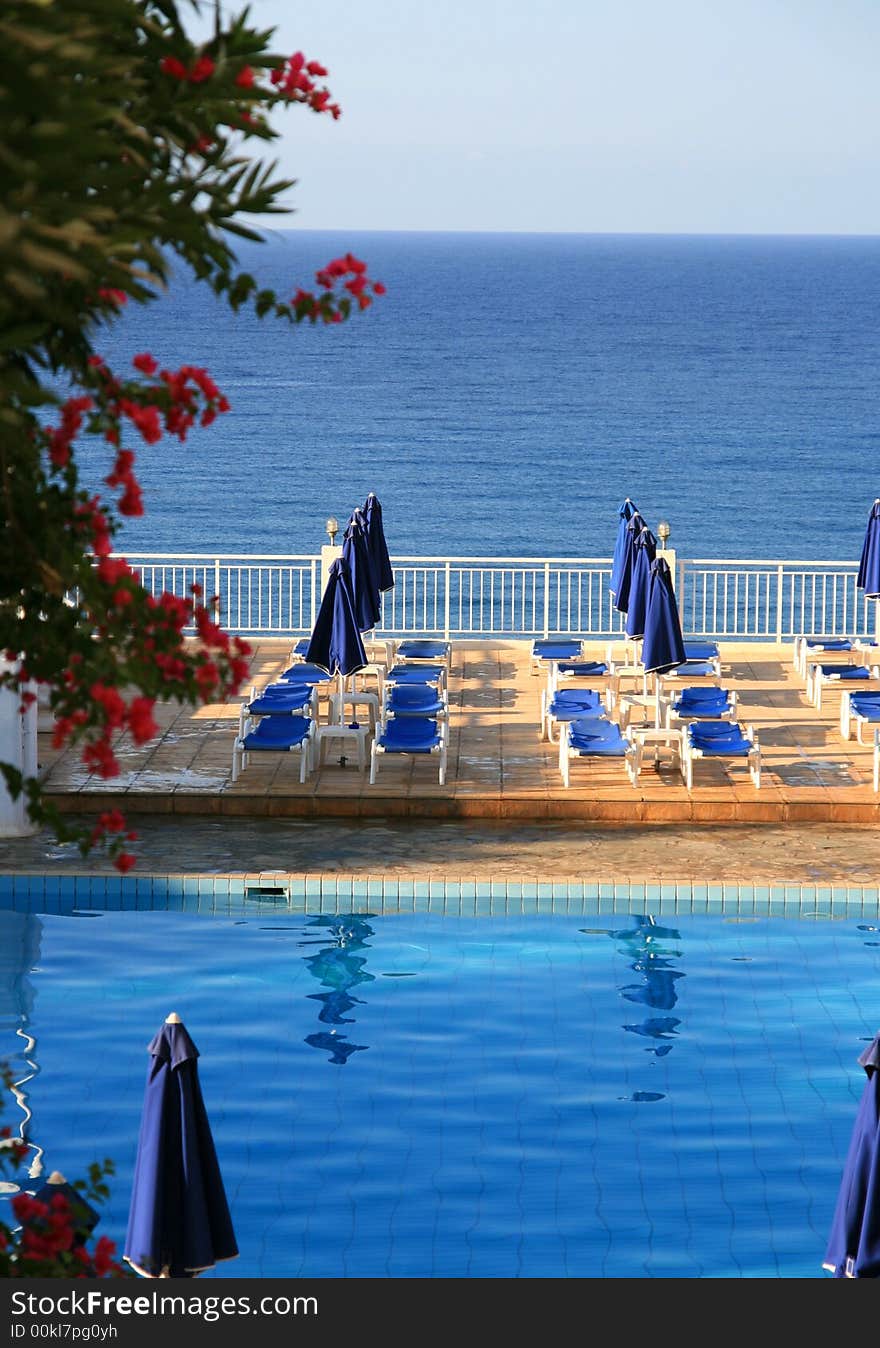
601,1095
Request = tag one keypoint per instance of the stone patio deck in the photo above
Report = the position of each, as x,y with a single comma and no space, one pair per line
499,768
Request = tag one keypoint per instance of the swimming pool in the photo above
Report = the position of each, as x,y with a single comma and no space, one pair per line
587,1093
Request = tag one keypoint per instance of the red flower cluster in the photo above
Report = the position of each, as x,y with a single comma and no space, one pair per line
112,296
131,502
60,439
325,306
296,79
202,69
48,1235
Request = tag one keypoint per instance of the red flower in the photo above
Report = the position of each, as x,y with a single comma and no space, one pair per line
140,720
123,861
146,363
245,78
201,71
169,65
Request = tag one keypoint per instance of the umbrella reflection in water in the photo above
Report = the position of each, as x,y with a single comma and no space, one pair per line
653,960
339,967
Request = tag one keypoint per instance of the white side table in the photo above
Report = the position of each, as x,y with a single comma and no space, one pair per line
344,733
669,738
355,700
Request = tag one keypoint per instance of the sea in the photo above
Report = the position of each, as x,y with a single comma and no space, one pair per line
510,390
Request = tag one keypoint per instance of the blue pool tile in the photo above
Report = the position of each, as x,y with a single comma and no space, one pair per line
514,892
374,888
468,889
498,890
576,890
654,893
483,889
699,894
606,890
405,889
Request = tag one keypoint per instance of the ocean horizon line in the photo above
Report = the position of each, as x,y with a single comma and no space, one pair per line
572,233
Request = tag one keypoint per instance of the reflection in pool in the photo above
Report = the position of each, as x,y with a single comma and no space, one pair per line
523,1096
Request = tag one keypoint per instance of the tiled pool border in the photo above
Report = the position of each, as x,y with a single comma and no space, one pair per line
455,896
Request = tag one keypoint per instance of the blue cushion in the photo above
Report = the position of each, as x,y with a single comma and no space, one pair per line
719,737
303,673
588,737
277,699
584,669
866,705
570,703
697,670
703,701
550,649
414,699
844,672
415,673
278,733
412,735
701,650
424,650
835,644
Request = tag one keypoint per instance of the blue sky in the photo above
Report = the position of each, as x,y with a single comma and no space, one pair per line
732,116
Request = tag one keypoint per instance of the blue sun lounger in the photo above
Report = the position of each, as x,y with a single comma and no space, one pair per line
413,699
423,648
821,676
702,704
861,708
595,737
434,674
410,735
545,649
280,699
274,734
719,739
304,673
569,704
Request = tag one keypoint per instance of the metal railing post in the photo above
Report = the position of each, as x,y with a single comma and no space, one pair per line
447,573
779,584
316,594
217,605
546,631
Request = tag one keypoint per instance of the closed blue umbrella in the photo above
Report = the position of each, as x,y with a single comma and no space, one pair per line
626,512
869,566
178,1222
854,1244
364,586
643,555
662,644
633,527
336,645
377,544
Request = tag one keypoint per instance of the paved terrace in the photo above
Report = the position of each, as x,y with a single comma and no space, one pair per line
498,769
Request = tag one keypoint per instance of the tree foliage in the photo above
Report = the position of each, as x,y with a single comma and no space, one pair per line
128,149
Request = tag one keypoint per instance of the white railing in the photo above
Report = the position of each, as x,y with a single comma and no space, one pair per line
525,596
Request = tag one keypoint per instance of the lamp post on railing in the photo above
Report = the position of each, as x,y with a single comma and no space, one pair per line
329,551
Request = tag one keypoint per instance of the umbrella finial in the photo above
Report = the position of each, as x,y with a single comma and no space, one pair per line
56,1178
173,1019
